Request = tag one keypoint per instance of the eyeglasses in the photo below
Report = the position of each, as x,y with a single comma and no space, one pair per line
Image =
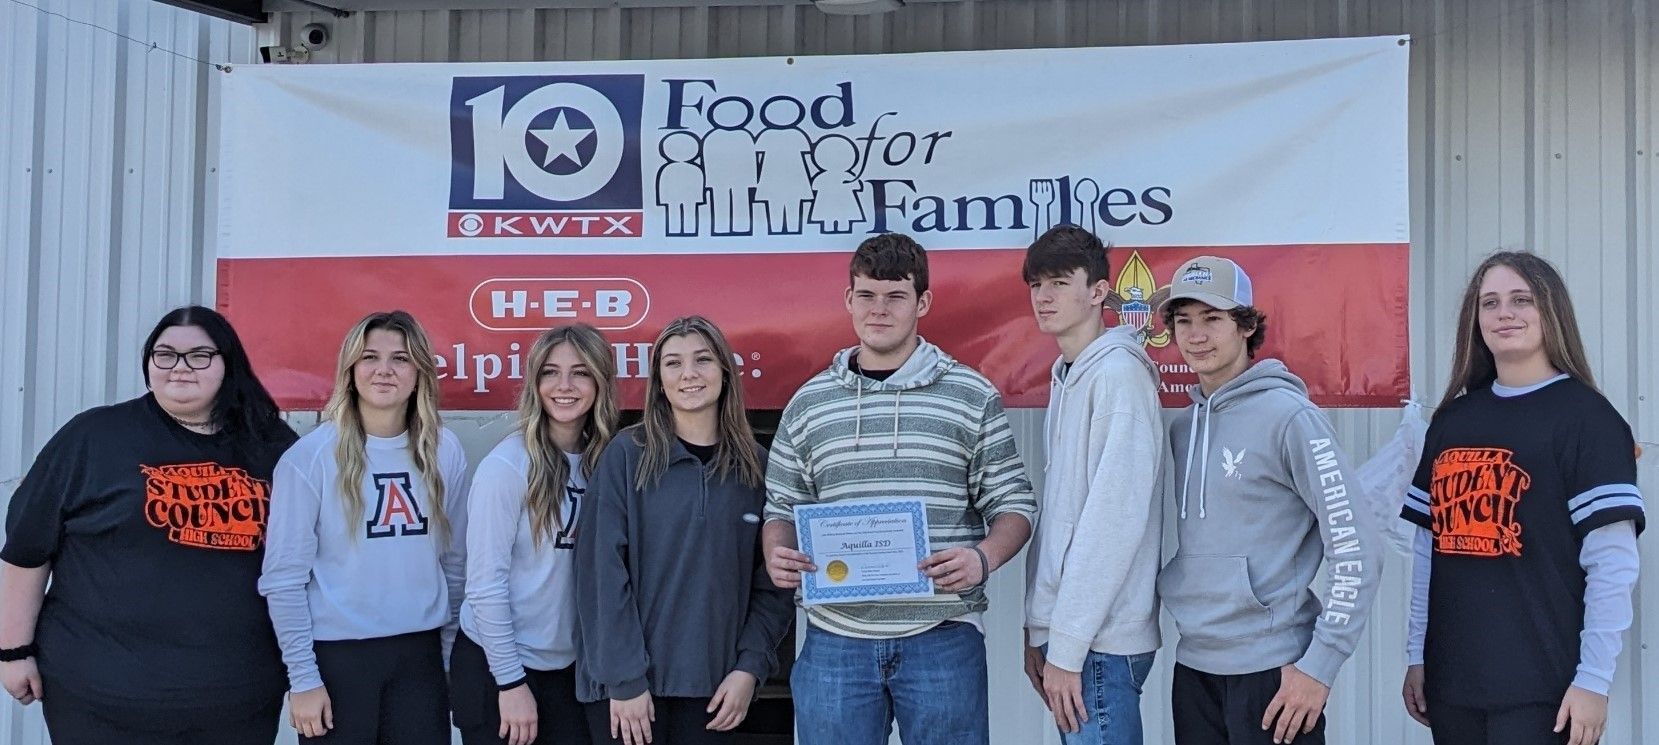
196,359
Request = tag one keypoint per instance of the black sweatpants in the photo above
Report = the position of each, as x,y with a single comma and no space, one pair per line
1228,709
680,721
1518,725
475,697
74,721
386,691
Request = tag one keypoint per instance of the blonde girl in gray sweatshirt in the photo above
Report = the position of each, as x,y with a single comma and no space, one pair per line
363,564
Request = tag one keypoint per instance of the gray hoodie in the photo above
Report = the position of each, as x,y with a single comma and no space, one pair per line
1093,564
1265,493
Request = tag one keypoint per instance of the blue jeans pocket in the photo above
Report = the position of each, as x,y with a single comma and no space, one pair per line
1140,666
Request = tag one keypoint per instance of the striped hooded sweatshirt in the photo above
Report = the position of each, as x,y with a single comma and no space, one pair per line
934,430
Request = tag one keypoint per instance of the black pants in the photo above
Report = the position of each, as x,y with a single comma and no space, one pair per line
476,700
386,691
1519,725
74,721
1228,709
680,721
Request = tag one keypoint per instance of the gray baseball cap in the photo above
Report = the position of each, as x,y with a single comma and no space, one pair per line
1212,280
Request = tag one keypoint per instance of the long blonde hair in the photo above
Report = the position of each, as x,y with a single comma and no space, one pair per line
1474,368
423,421
549,470
736,453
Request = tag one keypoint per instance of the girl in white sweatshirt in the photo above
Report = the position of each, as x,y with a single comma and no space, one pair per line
361,573
512,676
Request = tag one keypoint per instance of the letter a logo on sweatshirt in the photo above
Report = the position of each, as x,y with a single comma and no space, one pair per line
395,510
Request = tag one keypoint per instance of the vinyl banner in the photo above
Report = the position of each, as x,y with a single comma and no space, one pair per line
496,200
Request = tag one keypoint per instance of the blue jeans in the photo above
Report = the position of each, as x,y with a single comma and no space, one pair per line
849,691
1111,699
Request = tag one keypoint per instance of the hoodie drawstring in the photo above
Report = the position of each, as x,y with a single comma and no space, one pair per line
1203,468
1049,422
1203,472
858,415
896,395
858,418
1186,478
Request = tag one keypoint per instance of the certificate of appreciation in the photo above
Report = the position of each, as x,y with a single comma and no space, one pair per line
865,549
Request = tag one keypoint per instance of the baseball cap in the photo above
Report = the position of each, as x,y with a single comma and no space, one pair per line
1212,280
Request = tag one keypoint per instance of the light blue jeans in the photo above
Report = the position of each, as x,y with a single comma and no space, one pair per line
1111,699
849,691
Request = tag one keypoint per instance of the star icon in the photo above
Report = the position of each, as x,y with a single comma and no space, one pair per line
561,140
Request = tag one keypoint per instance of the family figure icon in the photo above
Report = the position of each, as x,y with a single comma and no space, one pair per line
781,181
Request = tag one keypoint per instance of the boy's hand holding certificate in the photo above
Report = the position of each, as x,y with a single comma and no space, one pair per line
865,549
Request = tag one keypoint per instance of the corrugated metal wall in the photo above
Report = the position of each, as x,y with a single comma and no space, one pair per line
104,165
1532,126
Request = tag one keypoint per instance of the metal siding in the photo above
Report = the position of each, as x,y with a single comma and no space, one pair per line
1532,125
103,147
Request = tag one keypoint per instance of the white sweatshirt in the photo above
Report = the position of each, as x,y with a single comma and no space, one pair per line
520,604
382,573
1093,567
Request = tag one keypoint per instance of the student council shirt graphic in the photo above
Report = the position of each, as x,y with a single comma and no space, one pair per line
206,505
1474,495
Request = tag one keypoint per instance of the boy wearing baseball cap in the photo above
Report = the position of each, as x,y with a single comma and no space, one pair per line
1264,494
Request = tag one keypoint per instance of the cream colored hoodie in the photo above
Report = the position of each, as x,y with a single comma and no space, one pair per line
1091,574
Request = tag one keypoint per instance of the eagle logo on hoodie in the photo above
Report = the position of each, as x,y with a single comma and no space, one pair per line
1230,463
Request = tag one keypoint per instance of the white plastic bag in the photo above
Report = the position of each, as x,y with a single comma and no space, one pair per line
1387,475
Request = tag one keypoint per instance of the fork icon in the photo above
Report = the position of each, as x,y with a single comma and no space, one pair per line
1042,200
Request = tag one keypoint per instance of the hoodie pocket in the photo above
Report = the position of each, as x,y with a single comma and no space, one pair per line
1053,542
1210,598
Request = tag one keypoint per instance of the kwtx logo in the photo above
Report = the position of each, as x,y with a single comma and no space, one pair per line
205,505
396,513
1474,493
545,156
1230,462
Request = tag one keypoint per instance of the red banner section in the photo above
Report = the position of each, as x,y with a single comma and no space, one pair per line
1336,315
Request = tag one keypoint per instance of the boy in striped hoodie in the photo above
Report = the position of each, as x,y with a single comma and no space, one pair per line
897,417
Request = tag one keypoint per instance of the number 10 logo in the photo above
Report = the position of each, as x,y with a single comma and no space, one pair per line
545,142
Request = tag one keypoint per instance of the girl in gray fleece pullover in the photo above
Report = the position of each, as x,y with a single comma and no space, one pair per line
677,619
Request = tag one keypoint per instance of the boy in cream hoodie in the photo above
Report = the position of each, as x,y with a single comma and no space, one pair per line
1091,611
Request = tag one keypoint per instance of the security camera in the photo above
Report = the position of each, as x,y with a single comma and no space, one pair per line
314,36
278,54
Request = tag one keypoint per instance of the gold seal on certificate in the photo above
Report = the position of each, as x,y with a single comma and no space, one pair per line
865,549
